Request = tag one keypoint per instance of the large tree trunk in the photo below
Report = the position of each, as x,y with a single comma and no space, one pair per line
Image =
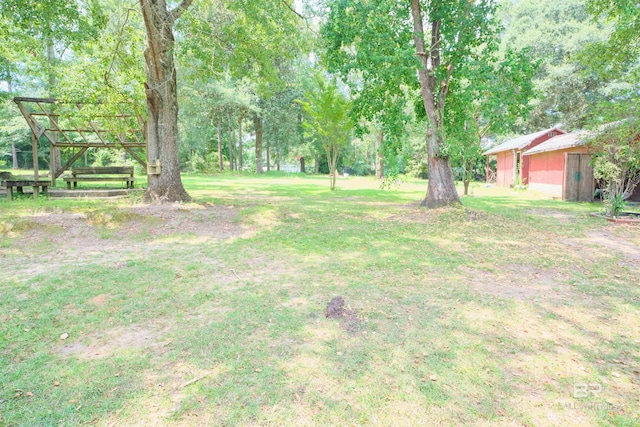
162,100
14,150
55,162
302,166
379,157
441,190
220,162
257,121
316,164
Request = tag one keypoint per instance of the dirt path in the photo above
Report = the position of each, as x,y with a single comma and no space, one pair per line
53,241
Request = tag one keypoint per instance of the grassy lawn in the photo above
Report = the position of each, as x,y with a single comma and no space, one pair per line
514,310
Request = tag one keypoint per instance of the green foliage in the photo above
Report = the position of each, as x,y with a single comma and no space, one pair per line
491,98
197,163
370,45
373,47
329,121
622,48
616,162
40,34
555,33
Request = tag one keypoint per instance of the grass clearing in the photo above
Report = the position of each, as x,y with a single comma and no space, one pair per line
514,310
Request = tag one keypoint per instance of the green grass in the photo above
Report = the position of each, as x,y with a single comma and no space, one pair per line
489,314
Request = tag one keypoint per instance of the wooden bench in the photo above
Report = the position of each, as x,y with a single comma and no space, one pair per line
109,173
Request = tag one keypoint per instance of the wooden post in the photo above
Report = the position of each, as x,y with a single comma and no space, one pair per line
34,147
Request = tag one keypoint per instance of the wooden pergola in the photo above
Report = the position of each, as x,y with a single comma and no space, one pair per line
75,126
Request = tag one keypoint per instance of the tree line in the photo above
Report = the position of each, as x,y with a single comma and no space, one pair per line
421,86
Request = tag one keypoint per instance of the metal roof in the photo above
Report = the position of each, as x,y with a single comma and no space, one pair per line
560,142
521,142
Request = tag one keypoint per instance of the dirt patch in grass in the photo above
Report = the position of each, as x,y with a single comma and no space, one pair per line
99,300
113,236
563,217
605,238
415,213
594,241
520,282
113,341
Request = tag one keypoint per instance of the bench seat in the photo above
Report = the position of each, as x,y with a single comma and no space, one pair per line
123,173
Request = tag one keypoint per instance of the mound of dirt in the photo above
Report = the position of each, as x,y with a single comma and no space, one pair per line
349,320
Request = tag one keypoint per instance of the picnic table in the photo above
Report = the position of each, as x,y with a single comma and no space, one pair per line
19,183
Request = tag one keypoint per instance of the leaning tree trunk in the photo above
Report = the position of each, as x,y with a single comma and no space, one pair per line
257,122
441,189
162,100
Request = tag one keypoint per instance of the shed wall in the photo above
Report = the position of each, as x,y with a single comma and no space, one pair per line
504,173
547,170
505,167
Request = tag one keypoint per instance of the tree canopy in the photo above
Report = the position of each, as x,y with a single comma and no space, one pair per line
427,83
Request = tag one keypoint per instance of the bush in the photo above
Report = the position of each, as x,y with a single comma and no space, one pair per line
197,163
616,162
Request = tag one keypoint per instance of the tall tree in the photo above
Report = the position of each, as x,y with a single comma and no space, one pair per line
329,121
250,40
162,99
430,38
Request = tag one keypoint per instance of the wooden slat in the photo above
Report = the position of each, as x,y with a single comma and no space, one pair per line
70,162
44,100
36,128
135,156
100,145
103,170
53,122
